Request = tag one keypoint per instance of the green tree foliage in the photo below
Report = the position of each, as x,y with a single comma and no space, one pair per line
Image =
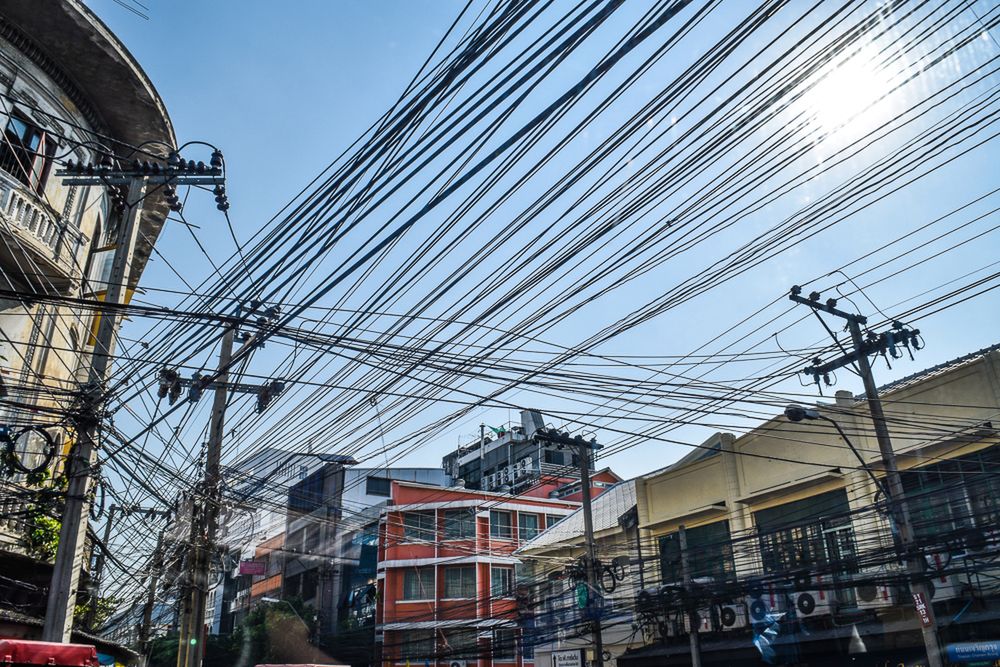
41,538
105,608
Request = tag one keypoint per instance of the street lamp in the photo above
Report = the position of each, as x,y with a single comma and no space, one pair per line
797,413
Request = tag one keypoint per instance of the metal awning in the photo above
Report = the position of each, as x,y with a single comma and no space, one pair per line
24,652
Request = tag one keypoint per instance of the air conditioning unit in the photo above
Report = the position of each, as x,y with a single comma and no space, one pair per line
658,629
811,603
732,616
943,585
767,602
873,596
702,619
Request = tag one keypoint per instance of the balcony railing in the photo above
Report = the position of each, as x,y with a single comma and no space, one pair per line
39,231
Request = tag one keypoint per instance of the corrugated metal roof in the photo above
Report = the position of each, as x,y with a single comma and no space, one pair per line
607,508
934,371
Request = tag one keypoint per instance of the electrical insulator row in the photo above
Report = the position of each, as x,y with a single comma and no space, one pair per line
268,393
176,165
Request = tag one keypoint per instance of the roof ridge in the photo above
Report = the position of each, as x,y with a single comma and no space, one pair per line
950,364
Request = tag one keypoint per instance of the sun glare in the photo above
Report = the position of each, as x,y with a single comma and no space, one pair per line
847,98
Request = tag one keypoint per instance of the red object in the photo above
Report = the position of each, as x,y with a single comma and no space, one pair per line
24,652
257,568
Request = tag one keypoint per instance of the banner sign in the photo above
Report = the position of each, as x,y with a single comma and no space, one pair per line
567,658
969,651
255,568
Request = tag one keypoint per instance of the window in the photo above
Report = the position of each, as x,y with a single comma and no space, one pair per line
553,457
527,526
310,582
418,583
377,486
501,582
804,535
418,526
26,153
955,499
459,524
460,644
500,524
460,582
312,538
526,642
527,572
417,646
504,644
307,495
552,519
712,550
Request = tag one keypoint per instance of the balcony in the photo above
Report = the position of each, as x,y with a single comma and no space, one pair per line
37,249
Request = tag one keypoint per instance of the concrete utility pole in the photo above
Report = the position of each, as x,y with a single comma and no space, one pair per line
898,507
72,533
190,649
99,568
694,622
154,580
593,576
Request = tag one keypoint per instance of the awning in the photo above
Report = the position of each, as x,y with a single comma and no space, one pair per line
24,652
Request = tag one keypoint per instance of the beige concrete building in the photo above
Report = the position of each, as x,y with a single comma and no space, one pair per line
787,531
69,90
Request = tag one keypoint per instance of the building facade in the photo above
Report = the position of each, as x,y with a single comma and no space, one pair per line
447,574
330,544
554,620
512,459
69,90
791,551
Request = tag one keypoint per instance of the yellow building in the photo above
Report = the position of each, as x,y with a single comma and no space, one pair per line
789,541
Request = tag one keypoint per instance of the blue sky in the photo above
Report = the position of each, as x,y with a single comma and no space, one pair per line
282,89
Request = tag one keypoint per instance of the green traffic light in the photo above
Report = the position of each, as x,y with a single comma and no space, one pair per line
193,641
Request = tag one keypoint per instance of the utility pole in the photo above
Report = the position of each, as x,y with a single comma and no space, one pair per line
584,449
98,572
593,579
694,623
482,450
154,580
898,507
629,521
202,547
72,533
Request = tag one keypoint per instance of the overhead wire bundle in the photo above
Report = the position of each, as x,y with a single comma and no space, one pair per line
428,272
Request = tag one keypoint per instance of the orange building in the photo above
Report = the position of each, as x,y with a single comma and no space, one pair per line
447,575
